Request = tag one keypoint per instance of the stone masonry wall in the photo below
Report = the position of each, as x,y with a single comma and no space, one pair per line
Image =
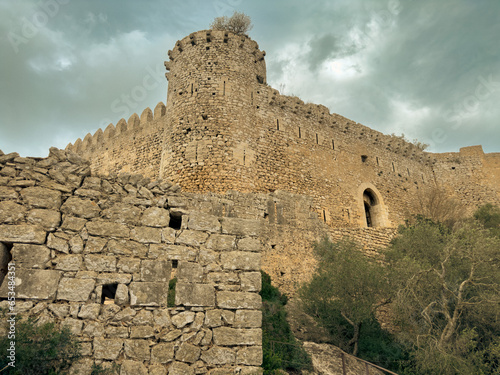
96,255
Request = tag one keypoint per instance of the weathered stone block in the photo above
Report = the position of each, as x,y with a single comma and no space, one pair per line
161,317
156,270
117,332
95,244
124,316
129,248
90,311
121,296
103,228
240,260
129,265
73,223
76,290
157,370
74,325
180,368
8,193
11,212
213,318
58,243
69,263
194,294
34,284
47,219
100,263
171,252
219,356
204,222
242,227
183,319
191,238
190,272
148,294
94,329
146,235
238,300
251,281
76,244
30,256
83,208
22,233
144,317
123,213
221,242
248,319
141,332
59,310
129,367
107,348
137,349
42,197
225,336
162,353
249,244
187,353
155,217
113,278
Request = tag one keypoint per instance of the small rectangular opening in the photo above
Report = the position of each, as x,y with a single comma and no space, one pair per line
300,133
364,158
175,220
108,293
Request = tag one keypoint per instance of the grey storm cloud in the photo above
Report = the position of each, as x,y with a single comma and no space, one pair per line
424,68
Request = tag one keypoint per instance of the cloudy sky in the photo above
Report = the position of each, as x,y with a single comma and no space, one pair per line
429,69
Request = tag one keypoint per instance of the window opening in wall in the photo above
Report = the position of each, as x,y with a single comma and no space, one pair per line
244,157
372,209
364,158
324,216
224,90
175,263
377,161
408,171
277,124
393,167
108,293
192,89
453,168
317,139
5,258
333,144
208,48
251,97
175,220
368,215
300,133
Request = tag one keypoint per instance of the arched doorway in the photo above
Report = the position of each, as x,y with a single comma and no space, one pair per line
369,203
373,212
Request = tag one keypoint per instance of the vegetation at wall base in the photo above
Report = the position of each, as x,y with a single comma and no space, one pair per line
281,349
39,349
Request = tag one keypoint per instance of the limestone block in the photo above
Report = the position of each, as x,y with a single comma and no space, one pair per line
180,368
144,317
47,219
240,260
83,208
221,242
76,290
74,325
148,294
227,317
161,317
69,262
34,284
219,356
82,366
107,348
207,339
146,235
141,332
251,370
60,311
168,235
129,367
42,197
249,244
225,336
8,193
162,353
121,296
58,243
242,227
73,223
191,238
194,294
90,311
22,233
129,265
137,349
178,202
125,316
238,300
207,257
156,270
95,244
117,332
100,263
11,212
30,256
190,272
157,370
155,217
129,248
204,222
123,213
176,252
187,353
110,311
103,228
213,318
113,278
248,319
251,281
94,329
171,335
183,319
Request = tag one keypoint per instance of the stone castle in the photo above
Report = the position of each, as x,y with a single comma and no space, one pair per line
228,178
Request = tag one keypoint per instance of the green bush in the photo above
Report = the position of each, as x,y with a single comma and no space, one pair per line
281,349
39,349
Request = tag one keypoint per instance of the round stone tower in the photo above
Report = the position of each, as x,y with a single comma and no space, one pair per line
210,136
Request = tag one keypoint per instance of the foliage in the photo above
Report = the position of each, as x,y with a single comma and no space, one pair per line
281,349
39,349
239,23
171,292
420,145
344,292
438,205
448,296
489,216
99,370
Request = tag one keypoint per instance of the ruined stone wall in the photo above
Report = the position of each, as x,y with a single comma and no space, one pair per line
96,255
225,129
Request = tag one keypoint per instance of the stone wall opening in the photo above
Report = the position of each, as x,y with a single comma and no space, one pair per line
175,220
108,293
373,213
5,258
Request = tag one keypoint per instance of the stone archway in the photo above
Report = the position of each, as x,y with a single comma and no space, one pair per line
373,212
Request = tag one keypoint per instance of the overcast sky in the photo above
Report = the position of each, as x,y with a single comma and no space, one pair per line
429,69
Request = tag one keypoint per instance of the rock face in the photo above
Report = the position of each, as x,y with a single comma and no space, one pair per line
96,255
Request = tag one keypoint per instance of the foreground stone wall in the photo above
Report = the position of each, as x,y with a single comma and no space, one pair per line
96,255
